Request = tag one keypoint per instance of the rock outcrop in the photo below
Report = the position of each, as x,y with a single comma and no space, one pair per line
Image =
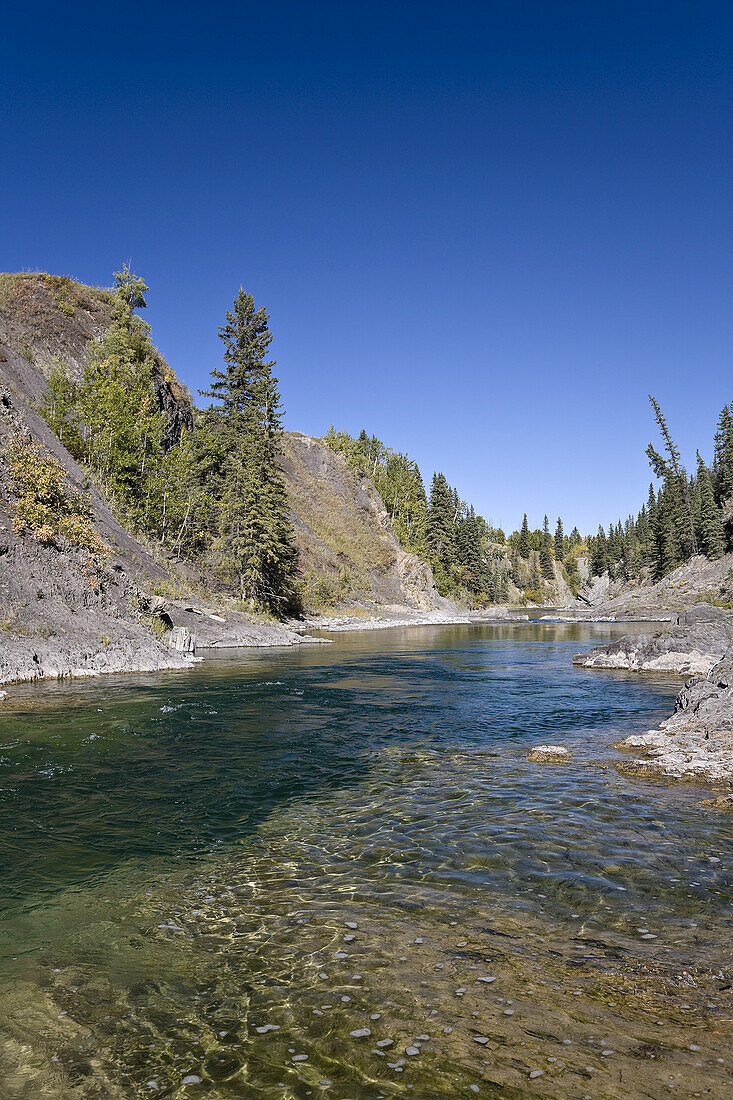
58,618
685,586
697,640
696,742
48,321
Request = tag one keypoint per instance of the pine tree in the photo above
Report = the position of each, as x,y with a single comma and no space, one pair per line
254,535
524,546
559,541
710,530
546,562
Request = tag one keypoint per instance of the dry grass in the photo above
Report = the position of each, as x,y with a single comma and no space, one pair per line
350,536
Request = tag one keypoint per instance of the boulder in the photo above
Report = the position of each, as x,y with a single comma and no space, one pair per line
548,754
181,640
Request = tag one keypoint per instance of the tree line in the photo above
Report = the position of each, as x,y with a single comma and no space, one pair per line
683,516
462,549
215,494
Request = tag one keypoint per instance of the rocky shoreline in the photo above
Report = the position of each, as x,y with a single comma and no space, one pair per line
403,617
696,742
188,628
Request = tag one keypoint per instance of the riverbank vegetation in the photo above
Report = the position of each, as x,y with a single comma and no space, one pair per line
213,492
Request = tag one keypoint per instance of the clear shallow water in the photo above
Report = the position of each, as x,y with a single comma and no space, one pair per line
184,856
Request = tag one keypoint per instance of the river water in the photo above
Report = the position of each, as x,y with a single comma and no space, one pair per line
332,872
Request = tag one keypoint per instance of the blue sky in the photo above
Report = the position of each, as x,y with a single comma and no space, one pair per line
485,232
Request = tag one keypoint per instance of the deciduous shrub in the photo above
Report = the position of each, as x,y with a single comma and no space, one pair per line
45,506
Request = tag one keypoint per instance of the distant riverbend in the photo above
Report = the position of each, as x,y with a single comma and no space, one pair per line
332,872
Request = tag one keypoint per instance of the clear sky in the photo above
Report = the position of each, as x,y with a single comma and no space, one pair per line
483,231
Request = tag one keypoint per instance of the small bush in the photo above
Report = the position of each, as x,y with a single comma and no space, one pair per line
320,592
718,600
154,624
45,507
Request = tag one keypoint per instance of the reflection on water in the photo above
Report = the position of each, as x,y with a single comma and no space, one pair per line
333,873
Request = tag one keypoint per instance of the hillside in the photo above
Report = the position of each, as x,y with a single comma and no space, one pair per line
62,613
348,551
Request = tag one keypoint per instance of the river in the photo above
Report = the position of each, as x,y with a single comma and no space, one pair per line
331,871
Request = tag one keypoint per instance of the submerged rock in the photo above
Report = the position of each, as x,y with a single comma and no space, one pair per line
548,754
721,802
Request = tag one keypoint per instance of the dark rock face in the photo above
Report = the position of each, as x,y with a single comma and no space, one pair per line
36,334
174,403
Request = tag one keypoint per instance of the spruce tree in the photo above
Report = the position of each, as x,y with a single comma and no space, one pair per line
599,554
712,538
440,527
630,550
559,541
546,562
680,513
524,539
254,535
475,573
723,461
644,539
669,552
